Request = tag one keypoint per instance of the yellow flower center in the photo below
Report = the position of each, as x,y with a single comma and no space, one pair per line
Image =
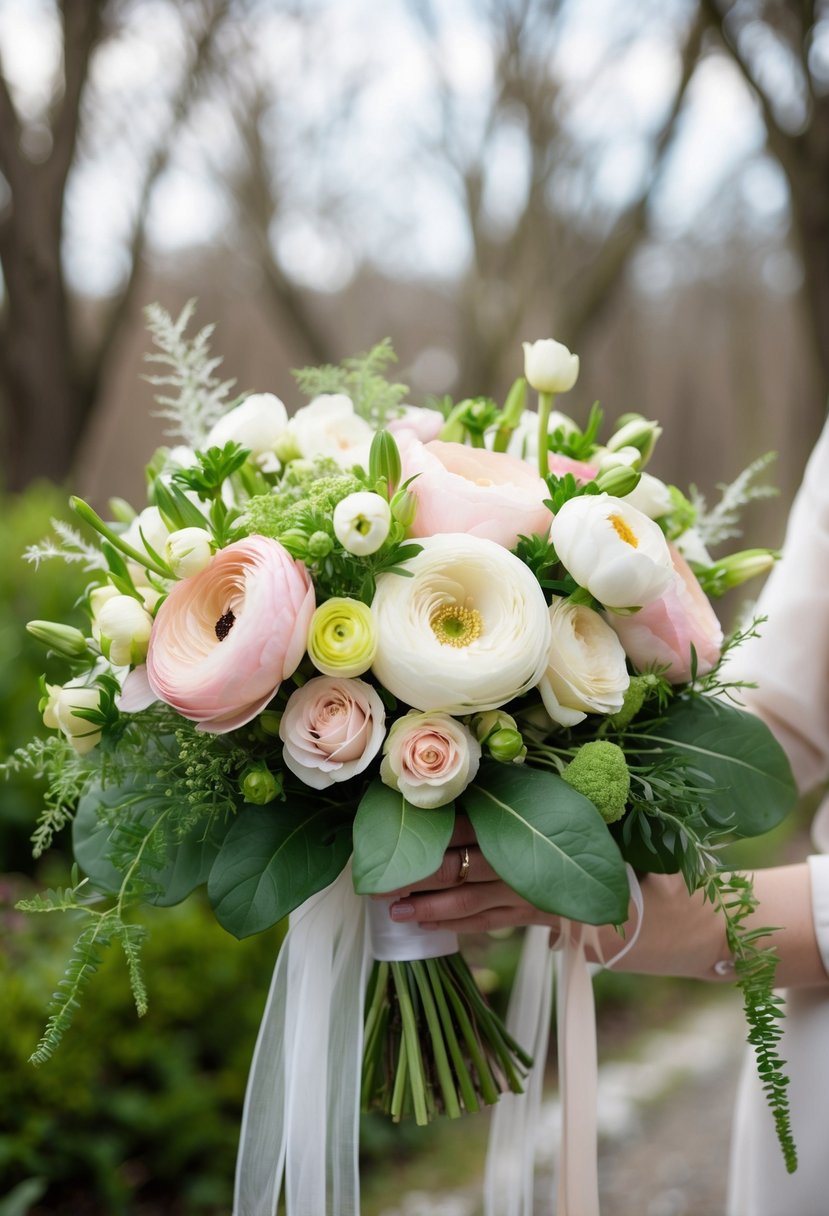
454,625
624,531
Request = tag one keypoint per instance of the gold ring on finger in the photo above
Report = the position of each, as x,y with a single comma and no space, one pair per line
463,872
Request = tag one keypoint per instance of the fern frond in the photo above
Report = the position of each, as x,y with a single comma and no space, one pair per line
69,547
363,378
720,522
86,958
131,939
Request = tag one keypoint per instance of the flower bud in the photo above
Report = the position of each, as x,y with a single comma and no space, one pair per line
487,723
58,709
64,640
736,569
549,366
618,480
506,746
404,507
600,772
361,522
269,721
319,545
632,430
384,460
259,785
188,551
342,637
121,510
124,628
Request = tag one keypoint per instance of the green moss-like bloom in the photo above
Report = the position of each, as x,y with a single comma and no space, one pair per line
600,772
342,637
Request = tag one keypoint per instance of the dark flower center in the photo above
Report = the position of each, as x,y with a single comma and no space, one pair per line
224,625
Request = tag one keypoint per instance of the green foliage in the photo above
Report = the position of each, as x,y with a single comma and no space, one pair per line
396,843
363,378
721,521
139,1115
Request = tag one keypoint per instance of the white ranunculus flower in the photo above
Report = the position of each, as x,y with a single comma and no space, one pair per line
328,426
188,551
123,628
469,630
651,496
586,672
549,366
256,424
361,522
613,550
430,758
59,714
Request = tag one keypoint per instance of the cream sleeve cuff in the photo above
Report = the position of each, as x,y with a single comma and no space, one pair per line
819,876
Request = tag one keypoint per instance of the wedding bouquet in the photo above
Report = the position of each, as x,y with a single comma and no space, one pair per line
328,634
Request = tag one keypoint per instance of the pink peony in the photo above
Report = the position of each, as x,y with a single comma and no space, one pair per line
224,640
472,490
663,632
331,730
561,465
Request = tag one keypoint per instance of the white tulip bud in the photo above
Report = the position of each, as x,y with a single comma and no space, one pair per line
58,714
362,522
549,366
188,551
124,628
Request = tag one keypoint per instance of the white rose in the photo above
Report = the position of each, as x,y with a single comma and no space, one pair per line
549,366
256,424
124,627
613,550
361,522
430,758
469,630
586,672
651,496
331,730
59,714
188,551
328,426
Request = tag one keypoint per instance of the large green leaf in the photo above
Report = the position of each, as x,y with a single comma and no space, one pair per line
395,843
273,858
187,859
742,772
549,843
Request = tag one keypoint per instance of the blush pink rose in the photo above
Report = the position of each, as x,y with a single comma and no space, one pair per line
331,730
472,490
561,465
224,640
430,758
662,633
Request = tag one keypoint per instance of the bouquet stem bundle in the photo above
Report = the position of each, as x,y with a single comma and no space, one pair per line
432,1043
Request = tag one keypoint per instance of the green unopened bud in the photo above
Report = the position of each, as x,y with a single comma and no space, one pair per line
259,785
404,507
632,430
295,541
511,415
507,746
618,480
285,447
64,640
600,772
319,545
269,721
487,723
734,570
384,460
121,511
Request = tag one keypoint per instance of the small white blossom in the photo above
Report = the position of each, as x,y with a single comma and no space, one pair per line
549,366
361,522
188,551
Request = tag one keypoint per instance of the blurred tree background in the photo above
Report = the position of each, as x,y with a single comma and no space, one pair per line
648,183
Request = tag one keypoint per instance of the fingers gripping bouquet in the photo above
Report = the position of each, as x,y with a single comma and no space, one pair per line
328,634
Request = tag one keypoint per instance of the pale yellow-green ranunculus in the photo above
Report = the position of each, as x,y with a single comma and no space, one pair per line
342,637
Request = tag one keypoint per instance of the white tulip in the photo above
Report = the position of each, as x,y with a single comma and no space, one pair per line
124,628
469,630
188,551
256,424
651,496
59,714
328,426
361,522
586,672
619,555
549,366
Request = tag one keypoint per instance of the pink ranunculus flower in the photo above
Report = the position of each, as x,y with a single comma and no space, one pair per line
663,632
430,758
426,424
331,730
472,490
224,640
581,470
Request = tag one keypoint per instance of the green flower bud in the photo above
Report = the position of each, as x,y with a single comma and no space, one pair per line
600,772
64,640
384,460
506,746
121,511
735,569
487,723
404,507
618,480
259,785
320,544
269,721
635,696
634,431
